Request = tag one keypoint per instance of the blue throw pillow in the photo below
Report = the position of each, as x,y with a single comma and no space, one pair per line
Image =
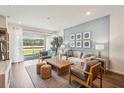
81,54
50,52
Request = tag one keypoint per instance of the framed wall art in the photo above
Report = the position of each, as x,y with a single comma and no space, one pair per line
86,44
72,37
86,35
72,43
78,44
78,36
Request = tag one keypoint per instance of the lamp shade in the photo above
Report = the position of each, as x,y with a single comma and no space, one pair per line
100,47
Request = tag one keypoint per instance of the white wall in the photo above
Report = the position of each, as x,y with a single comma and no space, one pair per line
48,42
50,38
2,21
61,33
16,43
117,42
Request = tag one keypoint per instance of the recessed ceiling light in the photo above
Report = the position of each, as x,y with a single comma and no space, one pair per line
48,18
8,16
19,22
88,13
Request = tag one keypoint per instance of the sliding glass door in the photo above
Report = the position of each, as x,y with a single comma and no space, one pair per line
32,45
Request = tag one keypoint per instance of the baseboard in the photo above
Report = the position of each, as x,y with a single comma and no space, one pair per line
17,62
115,71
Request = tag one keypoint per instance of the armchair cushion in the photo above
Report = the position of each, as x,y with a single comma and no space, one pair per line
79,75
80,72
77,71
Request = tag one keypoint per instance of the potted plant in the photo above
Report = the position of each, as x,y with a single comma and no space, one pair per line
56,43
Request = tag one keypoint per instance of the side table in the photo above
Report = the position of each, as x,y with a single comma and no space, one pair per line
103,63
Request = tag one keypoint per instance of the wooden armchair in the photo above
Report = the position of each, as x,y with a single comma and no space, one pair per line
87,74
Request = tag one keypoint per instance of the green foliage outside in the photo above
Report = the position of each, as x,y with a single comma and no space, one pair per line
30,42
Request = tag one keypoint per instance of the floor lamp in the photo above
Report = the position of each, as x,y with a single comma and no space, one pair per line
99,48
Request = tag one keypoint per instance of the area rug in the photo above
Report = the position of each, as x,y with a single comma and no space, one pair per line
54,82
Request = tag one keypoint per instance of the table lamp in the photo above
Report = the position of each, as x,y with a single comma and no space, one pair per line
99,48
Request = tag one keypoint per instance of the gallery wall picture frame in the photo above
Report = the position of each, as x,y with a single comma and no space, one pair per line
72,43
72,37
78,44
78,36
86,43
87,35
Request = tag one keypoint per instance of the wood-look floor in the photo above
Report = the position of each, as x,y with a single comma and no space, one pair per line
21,79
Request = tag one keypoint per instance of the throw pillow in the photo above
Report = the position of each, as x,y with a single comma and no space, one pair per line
81,55
70,53
88,55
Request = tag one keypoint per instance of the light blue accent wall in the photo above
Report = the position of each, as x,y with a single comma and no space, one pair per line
99,29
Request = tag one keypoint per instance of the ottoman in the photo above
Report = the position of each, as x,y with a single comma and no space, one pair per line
38,67
45,71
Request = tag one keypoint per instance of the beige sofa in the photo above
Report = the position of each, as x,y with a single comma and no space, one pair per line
78,58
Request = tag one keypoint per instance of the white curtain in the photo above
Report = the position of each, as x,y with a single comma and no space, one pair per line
16,44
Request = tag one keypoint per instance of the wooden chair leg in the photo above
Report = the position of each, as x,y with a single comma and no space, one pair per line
91,81
101,80
70,80
69,77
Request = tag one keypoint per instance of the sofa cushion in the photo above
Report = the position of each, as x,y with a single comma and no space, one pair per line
76,54
76,61
70,53
88,55
90,58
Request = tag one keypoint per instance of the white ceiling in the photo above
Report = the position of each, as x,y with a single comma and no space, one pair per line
61,17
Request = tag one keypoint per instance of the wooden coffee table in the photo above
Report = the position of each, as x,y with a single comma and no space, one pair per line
62,66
